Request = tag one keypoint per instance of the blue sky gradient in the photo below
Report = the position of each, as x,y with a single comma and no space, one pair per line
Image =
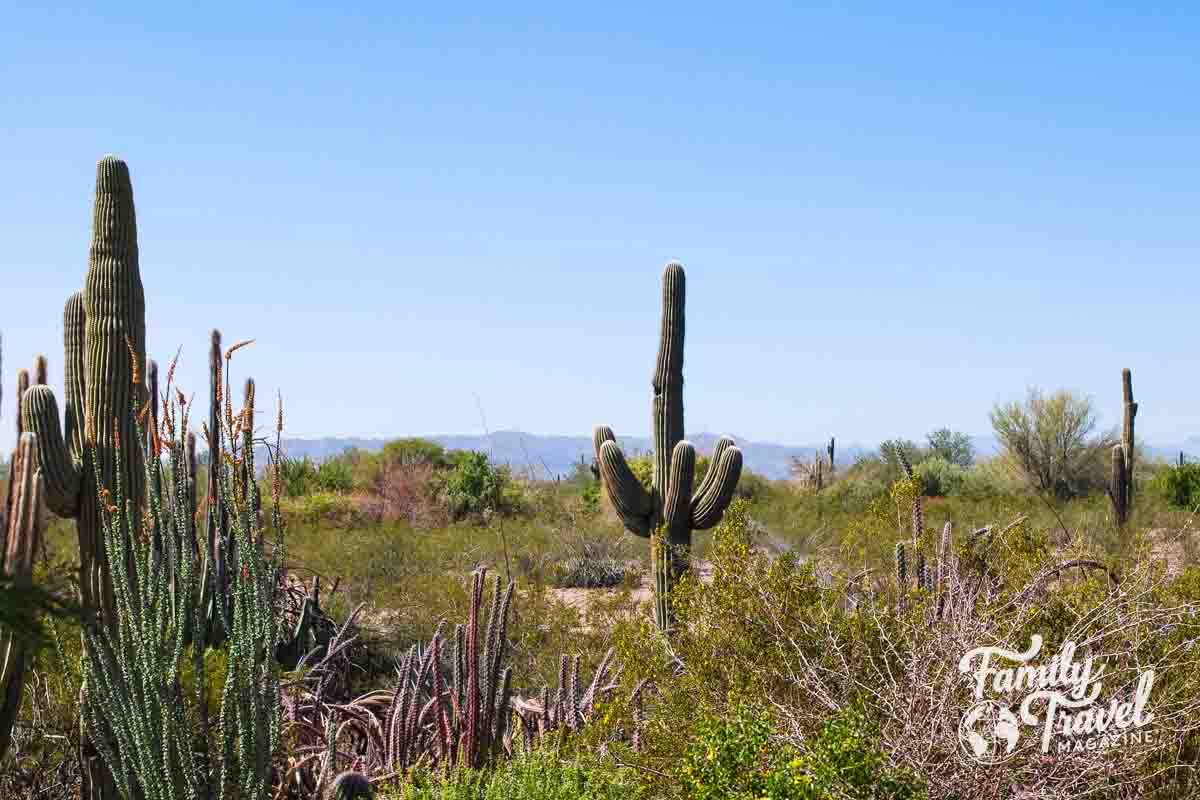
891,217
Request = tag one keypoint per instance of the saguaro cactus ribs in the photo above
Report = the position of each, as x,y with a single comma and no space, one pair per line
670,511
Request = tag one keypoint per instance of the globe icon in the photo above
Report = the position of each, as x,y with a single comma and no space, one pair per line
988,732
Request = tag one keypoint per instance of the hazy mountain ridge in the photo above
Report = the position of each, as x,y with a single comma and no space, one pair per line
545,456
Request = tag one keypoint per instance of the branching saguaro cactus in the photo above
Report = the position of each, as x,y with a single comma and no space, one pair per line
104,332
1120,490
104,329
669,512
21,535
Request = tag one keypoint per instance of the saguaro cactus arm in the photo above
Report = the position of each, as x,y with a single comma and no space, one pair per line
716,490
75,372
677,508
61,476
630,500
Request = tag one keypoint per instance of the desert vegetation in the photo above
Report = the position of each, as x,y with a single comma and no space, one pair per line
188,612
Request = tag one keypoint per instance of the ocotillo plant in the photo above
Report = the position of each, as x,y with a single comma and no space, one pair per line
669,512
1120,490
21,534
137,706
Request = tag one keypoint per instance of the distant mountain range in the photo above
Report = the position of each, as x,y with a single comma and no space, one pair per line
549,456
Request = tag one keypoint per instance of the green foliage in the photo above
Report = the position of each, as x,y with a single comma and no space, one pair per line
297,475
536,775
414,450
889,451
642,468
590,566
1051,438
476,486
734,757
939,477
952,446
335,475
1179,486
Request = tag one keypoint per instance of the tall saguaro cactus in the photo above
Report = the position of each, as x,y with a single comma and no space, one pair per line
104,329
105,342
670,511
1121,489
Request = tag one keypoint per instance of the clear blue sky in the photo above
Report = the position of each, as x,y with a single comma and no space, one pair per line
891,216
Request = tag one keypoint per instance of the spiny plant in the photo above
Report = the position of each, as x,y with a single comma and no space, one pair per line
669,512
142,721
22,531
104,331
452,705
570,706
1120,489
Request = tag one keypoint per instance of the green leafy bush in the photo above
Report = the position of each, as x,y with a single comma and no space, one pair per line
298,475
335,475
536,775
939,477
475,486
953,446
1179,486
734,757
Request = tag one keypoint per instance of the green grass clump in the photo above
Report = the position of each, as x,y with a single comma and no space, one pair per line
536,775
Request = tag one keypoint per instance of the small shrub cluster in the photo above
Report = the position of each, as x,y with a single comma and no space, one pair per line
1179,486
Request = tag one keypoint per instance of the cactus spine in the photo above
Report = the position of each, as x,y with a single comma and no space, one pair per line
21,535
1120,490
670,511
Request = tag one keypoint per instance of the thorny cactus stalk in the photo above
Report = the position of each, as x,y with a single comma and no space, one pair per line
572,705
104,329
1120,489
104,333
21,535
901,567
670,511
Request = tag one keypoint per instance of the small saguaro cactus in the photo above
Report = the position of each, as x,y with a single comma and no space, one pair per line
832,450
1120,490
21,534
670,511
